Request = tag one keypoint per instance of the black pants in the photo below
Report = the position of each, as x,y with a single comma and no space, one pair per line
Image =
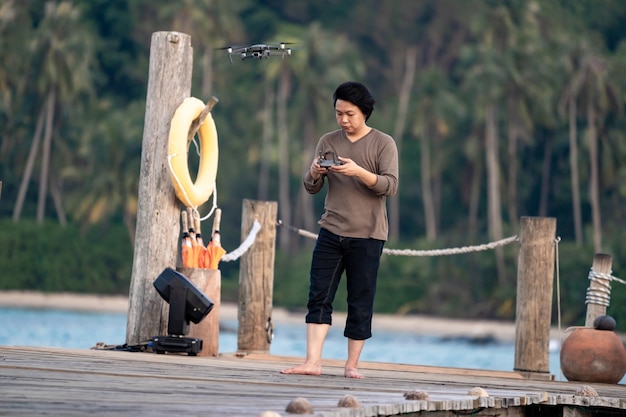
360,258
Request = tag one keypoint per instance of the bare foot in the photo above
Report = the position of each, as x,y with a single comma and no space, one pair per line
304,369
353,373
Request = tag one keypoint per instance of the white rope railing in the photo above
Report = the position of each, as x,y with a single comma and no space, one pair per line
249,240
412,252
451,251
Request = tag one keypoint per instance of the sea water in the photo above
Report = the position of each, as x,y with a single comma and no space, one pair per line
83,330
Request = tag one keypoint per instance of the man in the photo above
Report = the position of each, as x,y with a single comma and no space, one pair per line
354,226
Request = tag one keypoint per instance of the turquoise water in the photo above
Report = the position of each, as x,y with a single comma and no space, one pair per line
58,328
81,330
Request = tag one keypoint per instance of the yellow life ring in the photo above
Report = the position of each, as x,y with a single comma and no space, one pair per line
192,194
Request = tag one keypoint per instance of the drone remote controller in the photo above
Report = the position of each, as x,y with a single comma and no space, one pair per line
327,163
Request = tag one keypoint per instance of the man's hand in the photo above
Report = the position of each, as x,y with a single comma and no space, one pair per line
352,169
316,170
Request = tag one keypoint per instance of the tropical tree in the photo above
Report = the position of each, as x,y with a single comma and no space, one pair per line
265,158
591,94
14,28
212,24
568,107
599,97
404,94
62,52
284,82
528,67
438,112
484,80
107,158
614,155
15,32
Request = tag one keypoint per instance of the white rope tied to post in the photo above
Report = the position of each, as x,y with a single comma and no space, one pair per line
245,245
411,252
600,295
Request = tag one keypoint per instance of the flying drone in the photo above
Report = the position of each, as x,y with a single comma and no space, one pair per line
258,51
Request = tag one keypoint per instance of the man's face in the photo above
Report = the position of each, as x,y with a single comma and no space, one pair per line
349,117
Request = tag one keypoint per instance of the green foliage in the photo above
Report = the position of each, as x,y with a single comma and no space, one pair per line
291,279
51,258
526,56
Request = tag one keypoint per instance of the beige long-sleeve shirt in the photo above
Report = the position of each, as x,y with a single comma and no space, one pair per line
351,208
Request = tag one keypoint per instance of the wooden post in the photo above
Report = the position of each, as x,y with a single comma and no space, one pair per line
256,279
534,296
602,263
209,281
158,229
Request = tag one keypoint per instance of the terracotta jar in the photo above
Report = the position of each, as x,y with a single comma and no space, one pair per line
591,355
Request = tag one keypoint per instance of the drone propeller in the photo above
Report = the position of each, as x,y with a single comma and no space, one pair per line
284,45
231,48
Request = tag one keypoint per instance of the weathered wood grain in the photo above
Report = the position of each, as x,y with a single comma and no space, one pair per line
535,272
158,228
256,278
73,382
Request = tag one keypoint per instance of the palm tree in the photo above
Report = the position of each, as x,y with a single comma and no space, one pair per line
438,110
484,81
589,93
62,68
107,158
599,97
404,94
283,91
279,76
211,24
472,178
266,142
568,107
13,31
30,163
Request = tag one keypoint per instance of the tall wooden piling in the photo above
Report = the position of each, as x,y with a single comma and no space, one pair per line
535,276
256,278
602,264
158,229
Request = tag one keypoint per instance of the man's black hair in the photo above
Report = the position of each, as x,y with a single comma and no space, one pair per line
357,94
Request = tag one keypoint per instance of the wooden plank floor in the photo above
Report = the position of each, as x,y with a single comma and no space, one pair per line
72,382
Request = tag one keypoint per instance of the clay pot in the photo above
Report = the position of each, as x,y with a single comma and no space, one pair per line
591,355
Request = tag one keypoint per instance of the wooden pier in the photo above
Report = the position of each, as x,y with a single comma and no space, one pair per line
37,381
40,381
